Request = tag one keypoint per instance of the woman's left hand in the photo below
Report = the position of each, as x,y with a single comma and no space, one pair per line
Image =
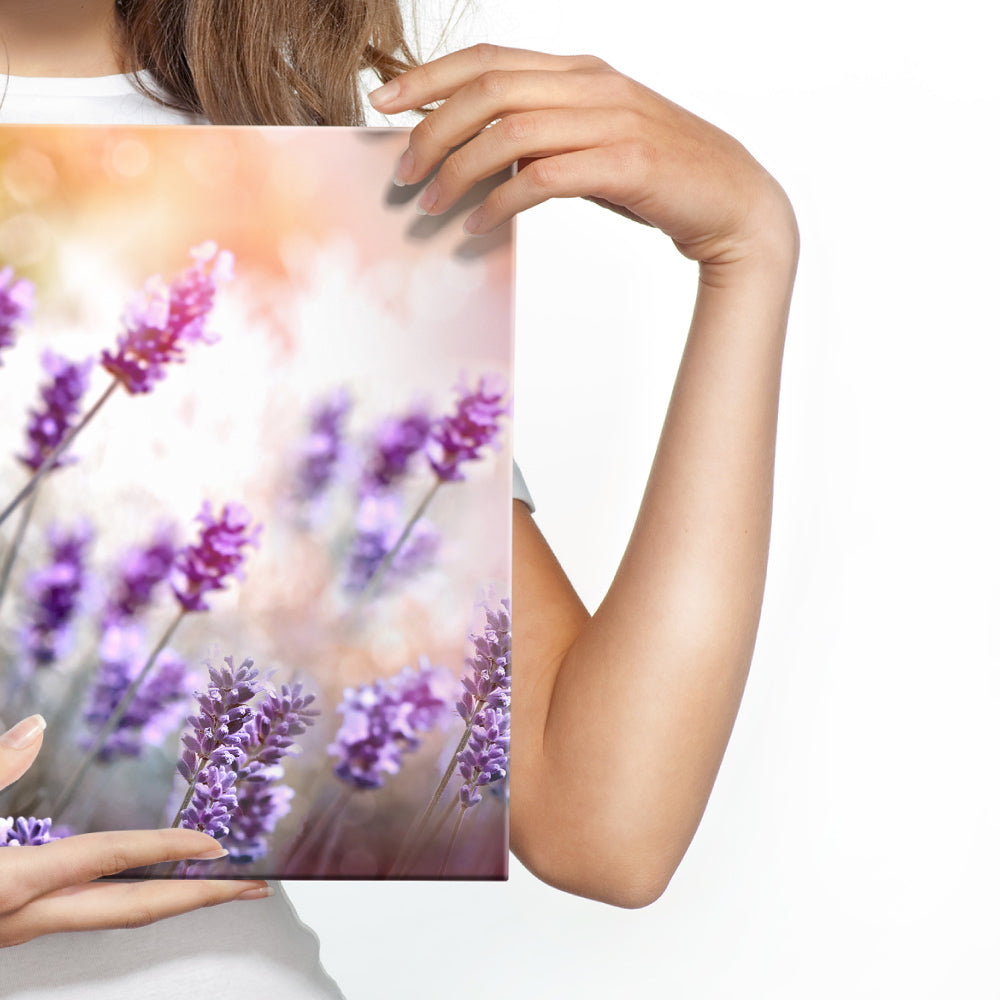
580,128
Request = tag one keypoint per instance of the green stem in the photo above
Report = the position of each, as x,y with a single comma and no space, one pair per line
11,554
416,832
451,843
387,560
53,455
442,819
300,847
116,716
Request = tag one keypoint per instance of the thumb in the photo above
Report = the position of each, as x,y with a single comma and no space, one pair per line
19,747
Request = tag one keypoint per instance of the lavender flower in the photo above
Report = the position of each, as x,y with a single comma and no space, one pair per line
484,759
219,732
381,722
379,526
426,692
212,803
158,705
25,831
396,441
487,683
16,301
281,716
53,593
261,801
485,706
139,572
324,447
459,437
201,568
53,420
260,805
163,318
240,802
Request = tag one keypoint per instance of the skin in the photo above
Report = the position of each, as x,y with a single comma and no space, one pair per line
621,718
57,38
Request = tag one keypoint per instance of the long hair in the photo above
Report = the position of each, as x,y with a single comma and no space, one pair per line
263,62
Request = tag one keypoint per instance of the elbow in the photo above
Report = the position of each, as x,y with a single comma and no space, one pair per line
626,878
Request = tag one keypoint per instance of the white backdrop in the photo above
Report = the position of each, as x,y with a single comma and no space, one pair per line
850,847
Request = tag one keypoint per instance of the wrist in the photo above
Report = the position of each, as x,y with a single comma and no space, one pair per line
765,244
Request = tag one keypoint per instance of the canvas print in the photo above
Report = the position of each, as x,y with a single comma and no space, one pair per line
255,474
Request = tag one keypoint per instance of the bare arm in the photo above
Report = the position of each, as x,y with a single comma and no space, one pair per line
623,718
620,720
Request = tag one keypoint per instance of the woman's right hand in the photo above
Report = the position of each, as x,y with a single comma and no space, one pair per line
50,888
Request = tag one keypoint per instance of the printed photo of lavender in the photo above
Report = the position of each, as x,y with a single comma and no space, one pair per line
254,501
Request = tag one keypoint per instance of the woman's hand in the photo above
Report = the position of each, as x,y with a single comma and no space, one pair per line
48,889
580,128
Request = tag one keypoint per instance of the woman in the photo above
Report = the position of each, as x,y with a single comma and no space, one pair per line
622,718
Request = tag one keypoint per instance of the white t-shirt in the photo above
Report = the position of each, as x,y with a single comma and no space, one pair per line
256,946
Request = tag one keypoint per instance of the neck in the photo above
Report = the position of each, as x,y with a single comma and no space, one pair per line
58,38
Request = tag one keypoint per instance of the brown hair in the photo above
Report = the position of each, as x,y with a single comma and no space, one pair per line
263,62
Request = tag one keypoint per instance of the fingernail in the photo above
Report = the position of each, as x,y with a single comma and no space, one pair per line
261,892
385,94
428,199
473,222
210,855
404,168
23,734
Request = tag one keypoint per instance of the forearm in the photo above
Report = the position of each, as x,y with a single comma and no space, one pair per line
618,743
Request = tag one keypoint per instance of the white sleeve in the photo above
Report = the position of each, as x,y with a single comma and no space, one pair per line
521,489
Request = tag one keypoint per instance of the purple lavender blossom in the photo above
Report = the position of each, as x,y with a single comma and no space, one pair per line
158,706
260,805
213,802
396,441
245,807
381,722
163,318
139,572
378,527
485,707
459,437
219,732
261,801
199,569
54,419
487,682
53,594
426,692
25,831
281,716
16,302
324,447
484,760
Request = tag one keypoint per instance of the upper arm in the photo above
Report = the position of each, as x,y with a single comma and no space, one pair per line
547,616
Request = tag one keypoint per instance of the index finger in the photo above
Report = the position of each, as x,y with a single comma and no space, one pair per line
19,747
440,78
30,872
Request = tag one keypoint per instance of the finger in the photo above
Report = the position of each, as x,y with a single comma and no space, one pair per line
19,747
493,95
27,873
518,138
595,172
104,906
440,78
